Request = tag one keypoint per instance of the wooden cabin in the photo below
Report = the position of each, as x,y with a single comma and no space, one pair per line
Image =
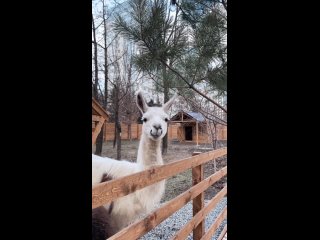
193,127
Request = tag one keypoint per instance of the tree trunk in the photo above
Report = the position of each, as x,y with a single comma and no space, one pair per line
117,122
95,59
105,57
114,136
212,134
166,98
118,140
215,136
99,143
129,132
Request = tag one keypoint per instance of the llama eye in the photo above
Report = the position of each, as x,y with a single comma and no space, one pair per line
166,119
144,119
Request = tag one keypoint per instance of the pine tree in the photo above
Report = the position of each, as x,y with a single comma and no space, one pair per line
183,49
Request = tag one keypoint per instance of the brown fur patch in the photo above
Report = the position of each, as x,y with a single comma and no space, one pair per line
101,224
106,177
110,208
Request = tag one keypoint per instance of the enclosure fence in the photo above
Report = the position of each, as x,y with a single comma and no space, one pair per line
107,192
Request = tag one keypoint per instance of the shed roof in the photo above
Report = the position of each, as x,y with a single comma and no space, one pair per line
195,116
97,109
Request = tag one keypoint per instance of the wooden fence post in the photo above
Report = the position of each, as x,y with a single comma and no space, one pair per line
198,202
97,129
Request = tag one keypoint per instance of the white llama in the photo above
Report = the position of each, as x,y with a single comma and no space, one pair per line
125,210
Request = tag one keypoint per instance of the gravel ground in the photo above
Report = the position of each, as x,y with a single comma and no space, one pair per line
175,222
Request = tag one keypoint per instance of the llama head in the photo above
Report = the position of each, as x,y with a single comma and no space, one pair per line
155,119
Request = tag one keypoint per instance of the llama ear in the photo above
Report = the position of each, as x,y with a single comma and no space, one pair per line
141,103
168,104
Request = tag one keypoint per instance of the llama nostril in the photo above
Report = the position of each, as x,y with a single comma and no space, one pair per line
157,127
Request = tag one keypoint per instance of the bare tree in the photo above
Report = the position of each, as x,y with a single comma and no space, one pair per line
99,141
129,111
101,43
104,97
123,106
95,58
105,54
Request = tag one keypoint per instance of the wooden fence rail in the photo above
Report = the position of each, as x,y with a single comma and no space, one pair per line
199,216
108,191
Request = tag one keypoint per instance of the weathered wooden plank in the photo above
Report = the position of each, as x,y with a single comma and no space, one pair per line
144,225
97,131
222,215
193,223
98,108
108,191
97,118
198,202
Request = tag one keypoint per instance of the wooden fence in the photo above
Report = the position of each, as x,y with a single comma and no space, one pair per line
106,192
133,131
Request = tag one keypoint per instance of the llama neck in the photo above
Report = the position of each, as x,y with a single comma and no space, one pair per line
149,152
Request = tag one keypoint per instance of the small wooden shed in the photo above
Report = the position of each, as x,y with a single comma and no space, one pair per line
193,127
189,124
99,117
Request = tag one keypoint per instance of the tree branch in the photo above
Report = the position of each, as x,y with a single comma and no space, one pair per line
117,58
192,86
98,44
205,113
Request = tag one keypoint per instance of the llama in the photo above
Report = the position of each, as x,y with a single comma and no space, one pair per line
125,210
